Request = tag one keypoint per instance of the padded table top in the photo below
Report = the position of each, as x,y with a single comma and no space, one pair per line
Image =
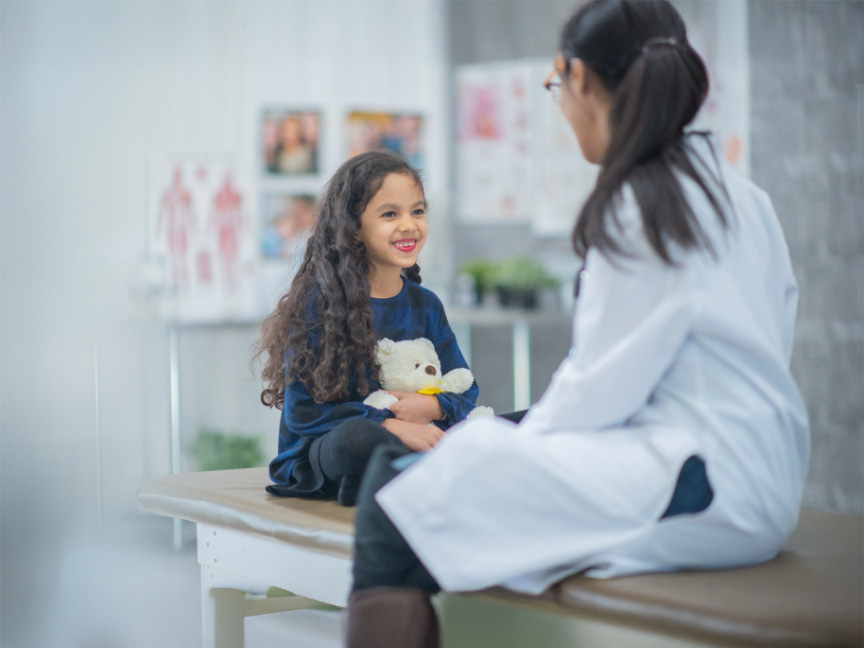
236,499
812,594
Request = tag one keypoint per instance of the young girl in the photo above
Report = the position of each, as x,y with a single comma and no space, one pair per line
673,435
358,283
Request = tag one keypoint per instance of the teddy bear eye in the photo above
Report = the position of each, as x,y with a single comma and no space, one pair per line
417,366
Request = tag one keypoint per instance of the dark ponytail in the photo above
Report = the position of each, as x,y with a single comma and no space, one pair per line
640,53
413,273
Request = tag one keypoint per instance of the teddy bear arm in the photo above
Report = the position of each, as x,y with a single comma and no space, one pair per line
380,399
457,381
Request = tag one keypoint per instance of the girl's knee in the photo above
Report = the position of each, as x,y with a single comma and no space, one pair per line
352,445
364,438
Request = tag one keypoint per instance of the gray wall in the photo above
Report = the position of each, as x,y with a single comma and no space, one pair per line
807,80
806,141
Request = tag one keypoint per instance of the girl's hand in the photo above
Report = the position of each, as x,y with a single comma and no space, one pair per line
419,438
416,408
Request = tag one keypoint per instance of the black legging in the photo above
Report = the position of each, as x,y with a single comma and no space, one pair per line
344,452
347,448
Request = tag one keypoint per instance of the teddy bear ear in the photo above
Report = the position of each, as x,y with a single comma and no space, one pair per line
426,342
385,347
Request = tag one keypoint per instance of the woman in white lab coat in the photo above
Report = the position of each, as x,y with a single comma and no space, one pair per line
673,435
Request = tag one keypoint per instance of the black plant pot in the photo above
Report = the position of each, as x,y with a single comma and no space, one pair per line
479,291
526,299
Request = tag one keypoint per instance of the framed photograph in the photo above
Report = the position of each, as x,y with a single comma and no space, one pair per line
398,132
286,224
290,142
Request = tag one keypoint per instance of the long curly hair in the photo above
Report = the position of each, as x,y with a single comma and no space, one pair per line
321,332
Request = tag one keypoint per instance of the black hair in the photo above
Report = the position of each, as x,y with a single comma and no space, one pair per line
639,51
329,296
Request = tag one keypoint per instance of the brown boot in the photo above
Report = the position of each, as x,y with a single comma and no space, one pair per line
391,617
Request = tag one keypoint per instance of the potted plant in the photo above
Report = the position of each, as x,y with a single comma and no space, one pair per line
480,271
518,281
217,450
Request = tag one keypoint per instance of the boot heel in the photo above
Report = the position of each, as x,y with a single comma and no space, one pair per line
391,617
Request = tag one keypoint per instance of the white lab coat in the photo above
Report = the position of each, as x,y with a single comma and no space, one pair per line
667,362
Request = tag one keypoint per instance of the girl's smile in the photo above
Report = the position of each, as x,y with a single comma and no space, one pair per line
406,245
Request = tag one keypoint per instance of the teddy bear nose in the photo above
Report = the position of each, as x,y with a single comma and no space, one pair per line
431,370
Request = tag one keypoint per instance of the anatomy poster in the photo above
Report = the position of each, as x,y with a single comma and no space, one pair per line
202,235
564,178
517,159
719,32
494,181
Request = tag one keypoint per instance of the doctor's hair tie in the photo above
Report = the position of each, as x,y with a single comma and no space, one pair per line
654,43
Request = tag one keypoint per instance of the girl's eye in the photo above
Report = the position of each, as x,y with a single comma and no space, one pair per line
388,215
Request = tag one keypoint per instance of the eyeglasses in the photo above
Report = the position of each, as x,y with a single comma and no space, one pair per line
554,87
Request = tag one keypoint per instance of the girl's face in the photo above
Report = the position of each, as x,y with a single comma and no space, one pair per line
393,225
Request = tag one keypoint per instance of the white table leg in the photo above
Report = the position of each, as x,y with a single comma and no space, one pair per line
235,564
222,614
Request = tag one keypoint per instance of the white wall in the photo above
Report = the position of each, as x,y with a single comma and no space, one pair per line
89,93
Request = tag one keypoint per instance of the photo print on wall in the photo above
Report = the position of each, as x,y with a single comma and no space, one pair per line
287,220
398,132
290,142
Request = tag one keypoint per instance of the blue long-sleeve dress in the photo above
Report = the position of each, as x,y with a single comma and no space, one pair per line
415,312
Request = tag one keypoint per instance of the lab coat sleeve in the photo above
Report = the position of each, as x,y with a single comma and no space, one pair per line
632,317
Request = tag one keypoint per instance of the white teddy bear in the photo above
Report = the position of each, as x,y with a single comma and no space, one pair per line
413,366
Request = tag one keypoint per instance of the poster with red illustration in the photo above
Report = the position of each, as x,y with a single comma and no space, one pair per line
494,140
719,32
202,236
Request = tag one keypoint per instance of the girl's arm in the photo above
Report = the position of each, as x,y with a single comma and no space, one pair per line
306,417
418,437
416,408
455,407
632,317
